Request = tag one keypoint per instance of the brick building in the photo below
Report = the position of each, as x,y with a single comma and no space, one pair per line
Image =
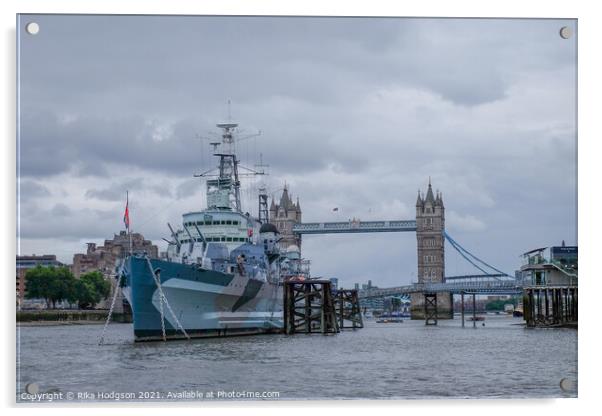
25,263
104,258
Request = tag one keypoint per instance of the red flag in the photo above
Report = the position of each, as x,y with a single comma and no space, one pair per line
126,215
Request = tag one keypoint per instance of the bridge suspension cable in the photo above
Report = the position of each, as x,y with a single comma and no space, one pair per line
466,258
465,253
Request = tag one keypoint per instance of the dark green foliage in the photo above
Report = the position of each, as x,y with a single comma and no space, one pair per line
56,284
496,305
90,289
38,282
53,284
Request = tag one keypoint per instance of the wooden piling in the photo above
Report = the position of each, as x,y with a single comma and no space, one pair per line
550,306
474,310
546,306
309,307
566,304
308,297
430,309
349,313
574,303
462,303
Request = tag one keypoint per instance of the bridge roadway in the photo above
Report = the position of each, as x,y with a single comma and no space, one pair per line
479,287
355,226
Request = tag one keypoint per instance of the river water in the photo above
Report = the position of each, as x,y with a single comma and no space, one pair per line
381,361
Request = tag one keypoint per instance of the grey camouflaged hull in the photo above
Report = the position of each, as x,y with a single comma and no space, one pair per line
207,303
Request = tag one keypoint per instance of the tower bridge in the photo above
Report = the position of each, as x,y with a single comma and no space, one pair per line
429,227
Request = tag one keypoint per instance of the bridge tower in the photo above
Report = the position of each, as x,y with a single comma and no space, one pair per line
284,216
430,224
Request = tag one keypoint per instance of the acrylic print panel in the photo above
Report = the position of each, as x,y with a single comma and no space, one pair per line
288,208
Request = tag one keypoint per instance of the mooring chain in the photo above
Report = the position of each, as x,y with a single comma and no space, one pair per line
162,299
179,325
273,299
273,307
111,309
162,315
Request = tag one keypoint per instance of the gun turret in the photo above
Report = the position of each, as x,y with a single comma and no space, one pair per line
175,237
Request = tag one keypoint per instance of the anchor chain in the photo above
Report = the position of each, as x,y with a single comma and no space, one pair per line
162,316
104,330
162,299
274,298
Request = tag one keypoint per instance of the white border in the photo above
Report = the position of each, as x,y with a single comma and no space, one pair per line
589,199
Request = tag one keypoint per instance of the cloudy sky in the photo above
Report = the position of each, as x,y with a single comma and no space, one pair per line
354,113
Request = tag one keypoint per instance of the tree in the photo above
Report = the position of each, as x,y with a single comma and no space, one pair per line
56,284
38,282
496,305
91,288
63,287
53,284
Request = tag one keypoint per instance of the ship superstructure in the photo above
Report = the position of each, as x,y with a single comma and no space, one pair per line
223,271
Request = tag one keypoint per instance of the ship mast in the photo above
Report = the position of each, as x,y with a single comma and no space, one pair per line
262,212
228,164
223,192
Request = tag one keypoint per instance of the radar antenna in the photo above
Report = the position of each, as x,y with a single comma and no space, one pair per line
263,213
223,192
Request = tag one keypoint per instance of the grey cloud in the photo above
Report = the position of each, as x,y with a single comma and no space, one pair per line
188,188
60,210
116,191
60,221
91,168
50,148
31,189
327,60
304,79
105,194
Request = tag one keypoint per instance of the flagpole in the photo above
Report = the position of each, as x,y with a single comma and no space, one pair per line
127,204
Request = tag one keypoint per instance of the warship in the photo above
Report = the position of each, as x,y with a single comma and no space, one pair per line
223,272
